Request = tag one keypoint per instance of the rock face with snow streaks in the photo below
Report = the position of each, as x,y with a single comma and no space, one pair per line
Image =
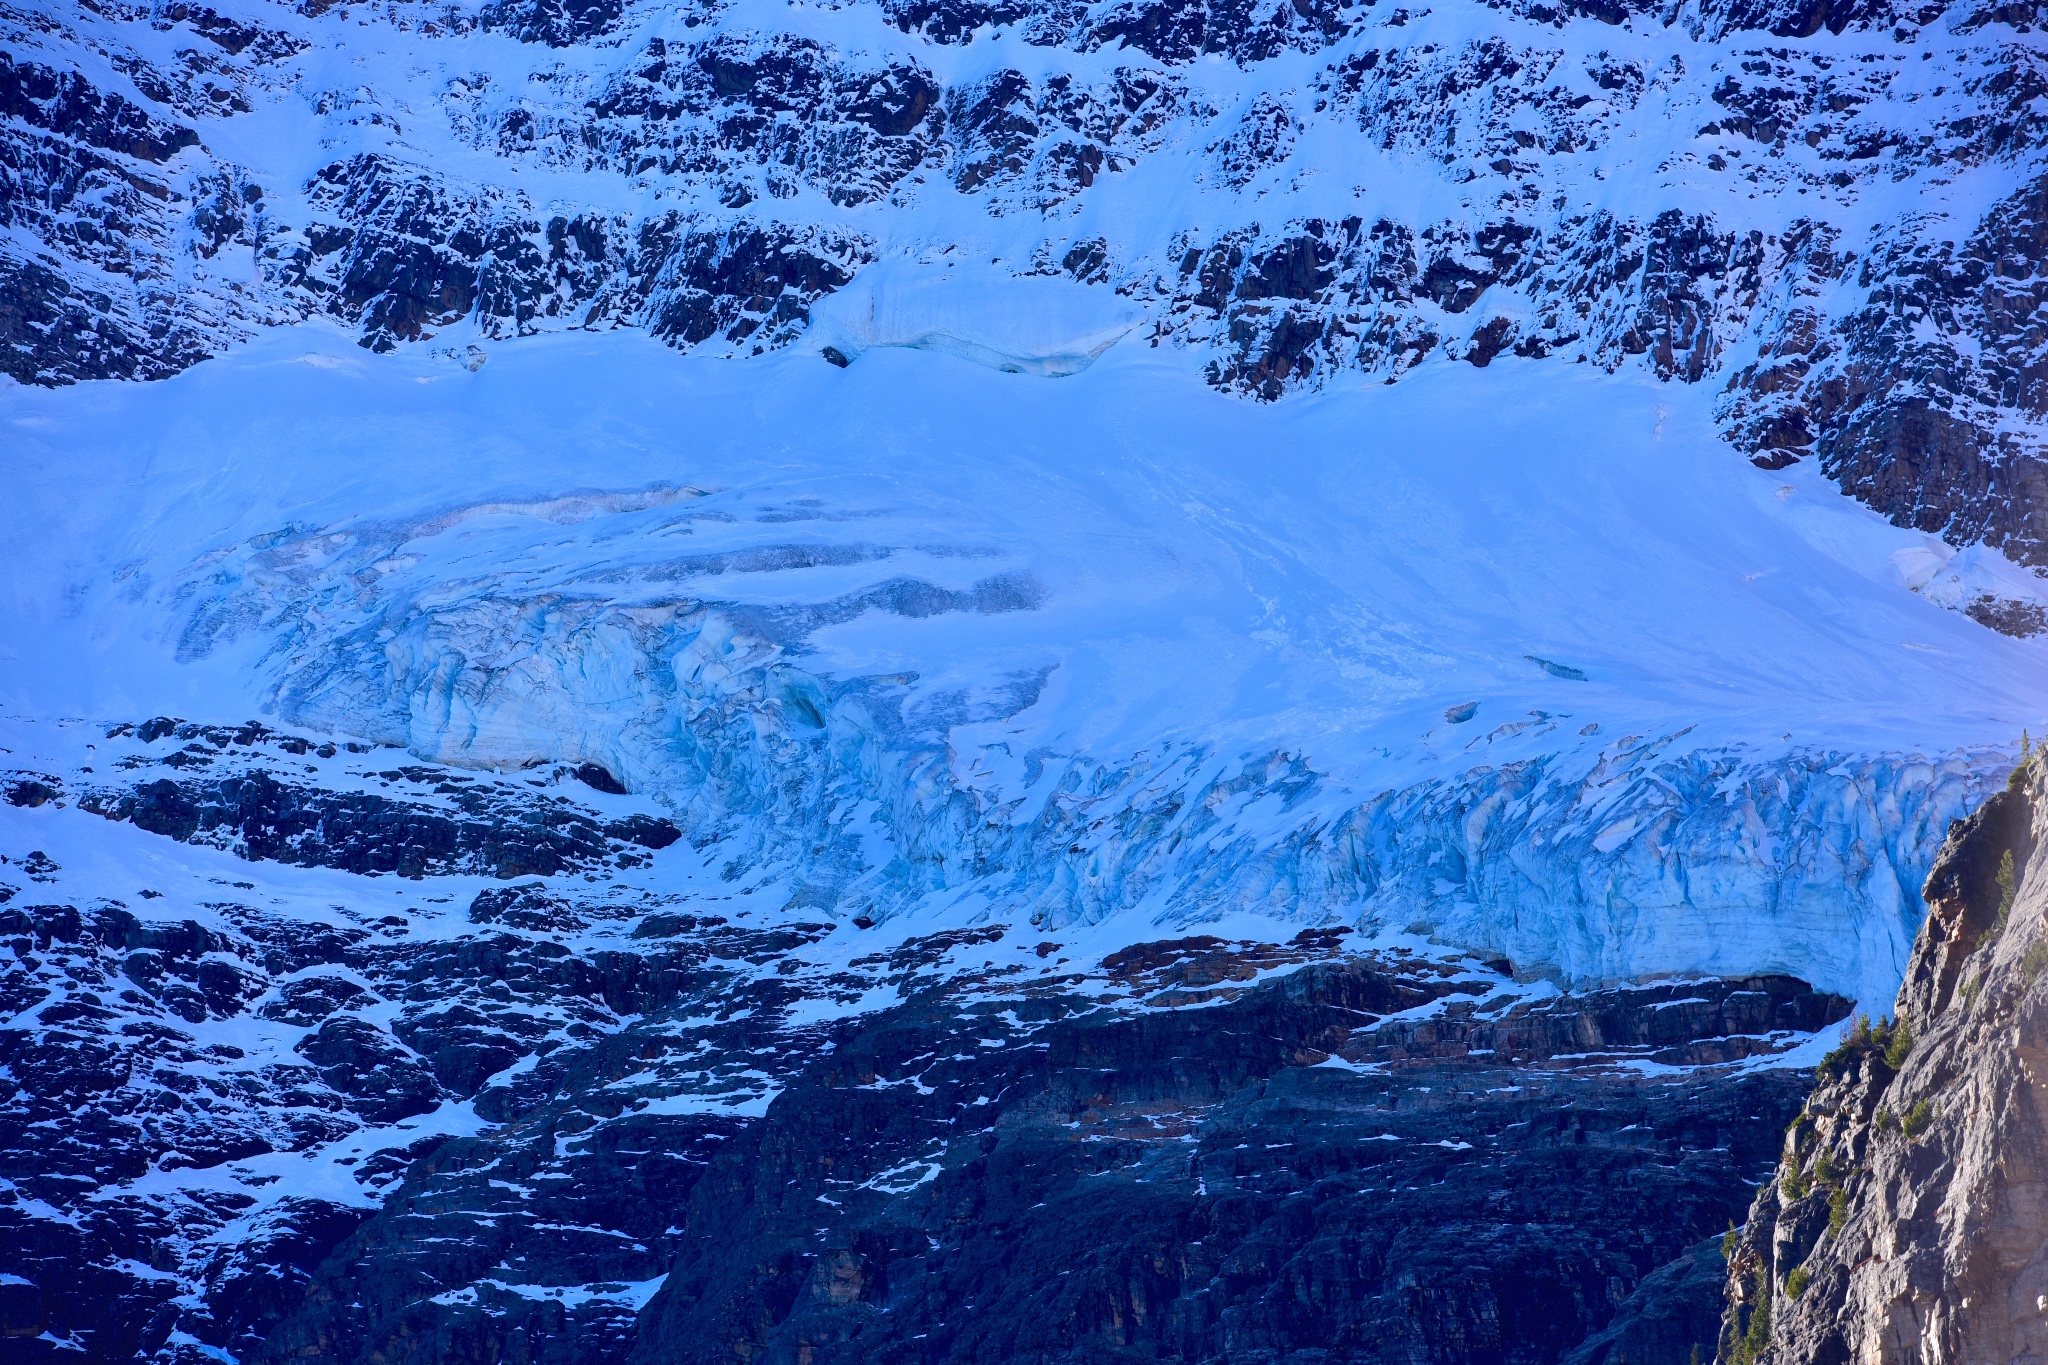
1832,215
1198,1185
363,1051
585,1126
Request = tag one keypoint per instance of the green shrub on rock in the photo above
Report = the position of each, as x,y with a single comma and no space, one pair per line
1900,1047
1917,1118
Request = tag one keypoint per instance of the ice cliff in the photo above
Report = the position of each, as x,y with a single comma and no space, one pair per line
948,645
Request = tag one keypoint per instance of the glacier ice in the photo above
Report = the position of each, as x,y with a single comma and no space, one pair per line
933,643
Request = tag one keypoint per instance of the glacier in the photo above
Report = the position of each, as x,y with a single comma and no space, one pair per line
842,681
1518,661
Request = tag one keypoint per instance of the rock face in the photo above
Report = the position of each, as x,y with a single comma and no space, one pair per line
1908,1217
319,1112
1210,1184
168,1197
1833,216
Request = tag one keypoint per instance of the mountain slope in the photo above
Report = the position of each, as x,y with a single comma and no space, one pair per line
978,682
1830,217
672,769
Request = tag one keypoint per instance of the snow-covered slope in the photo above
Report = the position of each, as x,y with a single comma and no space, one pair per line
1829,215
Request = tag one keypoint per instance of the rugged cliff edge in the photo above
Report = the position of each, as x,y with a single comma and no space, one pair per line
1908,1218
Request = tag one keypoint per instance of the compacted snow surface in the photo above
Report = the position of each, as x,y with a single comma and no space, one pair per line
1528,661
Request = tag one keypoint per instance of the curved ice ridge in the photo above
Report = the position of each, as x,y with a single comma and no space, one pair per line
1589,859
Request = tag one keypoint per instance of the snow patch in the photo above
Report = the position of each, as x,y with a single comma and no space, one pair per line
1023,325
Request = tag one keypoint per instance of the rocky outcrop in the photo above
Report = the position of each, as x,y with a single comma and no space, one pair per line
475,830
1895,400
1908,1217
140,1162
402,252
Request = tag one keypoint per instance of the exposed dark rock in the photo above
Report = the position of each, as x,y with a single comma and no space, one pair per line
464,1046
947,21
264,1274
1672,1317
30,789
64,102
2008,616
747,285
387,1082
262,818
783,110
404,251
1897,399
311,999
1187,1184
644,831
230,35
1169,30
525,907
598,778
558,23
1493,337
22,1311
52,332
105,1084
1804,18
